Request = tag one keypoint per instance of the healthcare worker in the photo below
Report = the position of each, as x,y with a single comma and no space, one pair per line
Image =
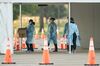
29,34
52,33
72,34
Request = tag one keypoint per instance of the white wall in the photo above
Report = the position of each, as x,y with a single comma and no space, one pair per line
97,24
87,16
6,27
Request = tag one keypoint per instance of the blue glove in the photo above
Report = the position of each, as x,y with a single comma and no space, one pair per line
79,37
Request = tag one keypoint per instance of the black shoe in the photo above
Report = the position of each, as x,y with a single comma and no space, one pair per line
32,50
42,49
27,51
55,51
56,48
74,51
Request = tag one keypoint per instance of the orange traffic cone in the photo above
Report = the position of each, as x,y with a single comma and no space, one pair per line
36,35
23,43
8,56
65,41
17,47
14,43
34,46
65,46
91,54
43,36
62,45
46,56
15,38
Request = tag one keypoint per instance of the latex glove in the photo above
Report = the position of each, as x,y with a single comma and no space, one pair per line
79,37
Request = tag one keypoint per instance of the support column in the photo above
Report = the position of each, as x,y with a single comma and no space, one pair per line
69,28
20,22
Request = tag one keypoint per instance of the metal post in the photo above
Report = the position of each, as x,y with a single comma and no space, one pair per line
58,16
20,15
69,27
20,21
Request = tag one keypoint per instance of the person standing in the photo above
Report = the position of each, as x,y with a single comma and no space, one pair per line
52,33
29,34
72,34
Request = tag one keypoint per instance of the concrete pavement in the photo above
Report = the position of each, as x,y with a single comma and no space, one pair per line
62,58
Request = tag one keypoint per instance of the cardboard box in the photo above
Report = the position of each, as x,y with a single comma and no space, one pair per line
22,32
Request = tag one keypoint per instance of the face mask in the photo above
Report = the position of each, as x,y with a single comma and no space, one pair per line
30,23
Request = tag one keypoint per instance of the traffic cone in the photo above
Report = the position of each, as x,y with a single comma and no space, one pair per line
91,55
65,46
17,47
46,56
15,38
43,36
34,46
62,45
14,42
36,35
23,43
8,56
65,41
